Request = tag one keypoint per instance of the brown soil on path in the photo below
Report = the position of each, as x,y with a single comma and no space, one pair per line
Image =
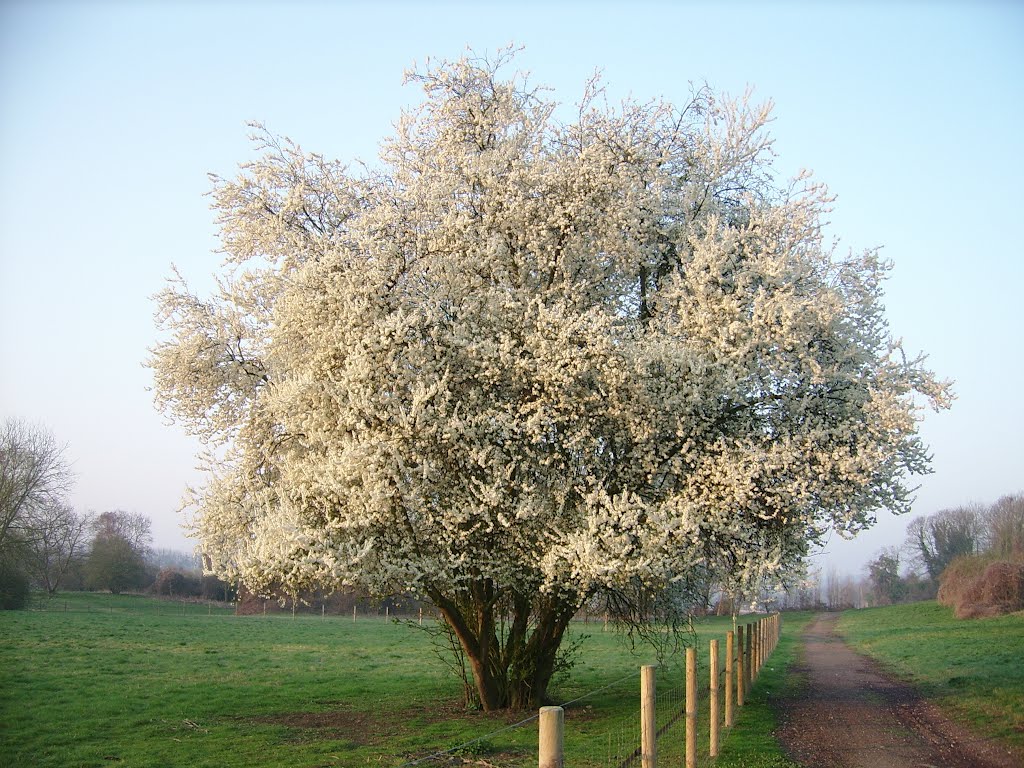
850,714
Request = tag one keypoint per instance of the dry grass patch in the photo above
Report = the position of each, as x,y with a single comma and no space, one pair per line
980,586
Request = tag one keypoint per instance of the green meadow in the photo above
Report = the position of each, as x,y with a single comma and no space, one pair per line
971,668
97,680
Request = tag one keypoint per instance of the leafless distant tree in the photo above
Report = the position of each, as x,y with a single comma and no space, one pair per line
842,591
1005,522
34,478
805,594
117,555
134,528
58,539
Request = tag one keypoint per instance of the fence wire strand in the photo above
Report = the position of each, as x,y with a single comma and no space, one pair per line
622,744
471,742
447,752
599,690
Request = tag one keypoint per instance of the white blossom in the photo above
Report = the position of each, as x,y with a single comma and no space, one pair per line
548,358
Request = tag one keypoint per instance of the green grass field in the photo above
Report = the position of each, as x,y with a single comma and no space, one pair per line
97,680
972,668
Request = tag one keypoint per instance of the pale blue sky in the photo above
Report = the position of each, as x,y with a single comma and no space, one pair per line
111,115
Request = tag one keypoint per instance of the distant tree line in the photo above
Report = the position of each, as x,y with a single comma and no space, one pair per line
914,571
46,545
935,542
822,590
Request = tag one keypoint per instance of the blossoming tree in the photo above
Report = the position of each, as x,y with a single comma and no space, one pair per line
523,361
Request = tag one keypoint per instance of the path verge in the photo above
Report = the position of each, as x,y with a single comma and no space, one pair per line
848,713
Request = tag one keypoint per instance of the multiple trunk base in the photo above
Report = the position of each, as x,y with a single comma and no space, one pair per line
511,644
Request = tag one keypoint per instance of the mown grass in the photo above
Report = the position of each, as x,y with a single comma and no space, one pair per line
971,668
97,680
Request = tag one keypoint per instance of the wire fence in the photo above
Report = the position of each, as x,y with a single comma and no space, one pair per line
154,605
443,755
139,605
683,735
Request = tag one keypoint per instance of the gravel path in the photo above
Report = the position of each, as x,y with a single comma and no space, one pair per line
850,714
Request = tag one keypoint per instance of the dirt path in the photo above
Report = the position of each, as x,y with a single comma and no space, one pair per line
852,715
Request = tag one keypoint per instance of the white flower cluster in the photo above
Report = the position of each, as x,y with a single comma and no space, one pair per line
553,358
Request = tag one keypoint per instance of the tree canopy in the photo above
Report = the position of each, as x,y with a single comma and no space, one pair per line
524,360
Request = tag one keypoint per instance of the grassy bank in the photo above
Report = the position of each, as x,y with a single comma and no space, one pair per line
97,680
751,743
971,668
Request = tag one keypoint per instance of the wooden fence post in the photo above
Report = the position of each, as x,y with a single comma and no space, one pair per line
691,708
552,725
747,679
740,675
763,644
648,719
757,648
713,701
730,650
755,651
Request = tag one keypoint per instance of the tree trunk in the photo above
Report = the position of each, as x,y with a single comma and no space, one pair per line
512,668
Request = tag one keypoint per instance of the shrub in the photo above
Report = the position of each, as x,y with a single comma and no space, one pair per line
976,586
958,576
14,584
175,583
214,588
